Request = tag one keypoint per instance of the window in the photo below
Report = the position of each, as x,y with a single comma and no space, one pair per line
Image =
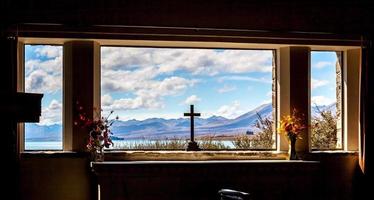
326,100
43,74
150,89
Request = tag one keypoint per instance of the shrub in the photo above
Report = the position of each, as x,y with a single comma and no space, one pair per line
324,130
261,140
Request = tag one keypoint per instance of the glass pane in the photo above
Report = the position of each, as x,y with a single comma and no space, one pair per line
150,89
326,100
43,74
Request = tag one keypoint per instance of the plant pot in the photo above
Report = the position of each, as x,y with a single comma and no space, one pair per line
97,155
292,155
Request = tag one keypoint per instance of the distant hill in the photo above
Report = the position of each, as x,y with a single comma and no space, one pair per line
35,132
159,128
331,107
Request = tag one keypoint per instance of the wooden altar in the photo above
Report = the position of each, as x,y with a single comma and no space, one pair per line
263,179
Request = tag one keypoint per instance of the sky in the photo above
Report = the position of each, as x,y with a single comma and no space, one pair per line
323,75
140,83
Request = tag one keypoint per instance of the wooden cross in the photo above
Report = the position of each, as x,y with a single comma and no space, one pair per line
192,145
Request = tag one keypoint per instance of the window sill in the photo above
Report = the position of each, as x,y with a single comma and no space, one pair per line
185,155
52,154
334,152
193,155
326,155
197,162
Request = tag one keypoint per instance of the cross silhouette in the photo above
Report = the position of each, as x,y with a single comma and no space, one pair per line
192,145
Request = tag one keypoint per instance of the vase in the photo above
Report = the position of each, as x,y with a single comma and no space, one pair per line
292,155
97,155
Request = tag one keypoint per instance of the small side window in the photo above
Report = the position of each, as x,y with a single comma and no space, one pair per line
326,100
43,74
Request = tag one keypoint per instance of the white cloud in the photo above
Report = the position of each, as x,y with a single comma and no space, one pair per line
42,82
52,66
106,100
172,85
52,114
226,88
125,81
267,101
318,83
126,58
141,79
143,100
148,93
134,103
322,100
323,64
142,84
49,51
192,100
196,61
230,111
244,78
269,94
44,75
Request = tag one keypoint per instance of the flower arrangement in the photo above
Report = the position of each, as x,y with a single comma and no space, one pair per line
292,125
99,130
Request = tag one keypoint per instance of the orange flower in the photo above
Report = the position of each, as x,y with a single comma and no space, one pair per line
292,125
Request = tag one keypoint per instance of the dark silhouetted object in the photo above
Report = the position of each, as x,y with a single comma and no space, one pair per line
227,194
21,107
192,145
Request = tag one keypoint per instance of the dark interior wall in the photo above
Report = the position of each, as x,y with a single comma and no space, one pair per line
55,177
336,16
68,177
340,175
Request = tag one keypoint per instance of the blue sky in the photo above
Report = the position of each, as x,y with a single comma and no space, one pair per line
323,74
139,83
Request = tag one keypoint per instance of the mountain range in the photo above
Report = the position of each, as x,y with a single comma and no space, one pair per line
156,128
159,128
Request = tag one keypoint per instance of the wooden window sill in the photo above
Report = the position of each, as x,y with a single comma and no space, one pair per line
193,155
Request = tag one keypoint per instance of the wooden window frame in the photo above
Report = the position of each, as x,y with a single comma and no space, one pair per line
281,142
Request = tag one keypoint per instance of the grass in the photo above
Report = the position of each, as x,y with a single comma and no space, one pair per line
170,144
205,143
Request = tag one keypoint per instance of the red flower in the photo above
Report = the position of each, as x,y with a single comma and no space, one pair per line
98,129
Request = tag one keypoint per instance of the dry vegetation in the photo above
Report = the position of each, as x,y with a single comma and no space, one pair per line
262,140
324,136
324,130
170,144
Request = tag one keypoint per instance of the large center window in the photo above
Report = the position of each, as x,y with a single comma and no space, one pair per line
150,89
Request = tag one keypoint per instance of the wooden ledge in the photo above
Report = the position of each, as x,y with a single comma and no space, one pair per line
175,168
53,154
193,155
190,162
